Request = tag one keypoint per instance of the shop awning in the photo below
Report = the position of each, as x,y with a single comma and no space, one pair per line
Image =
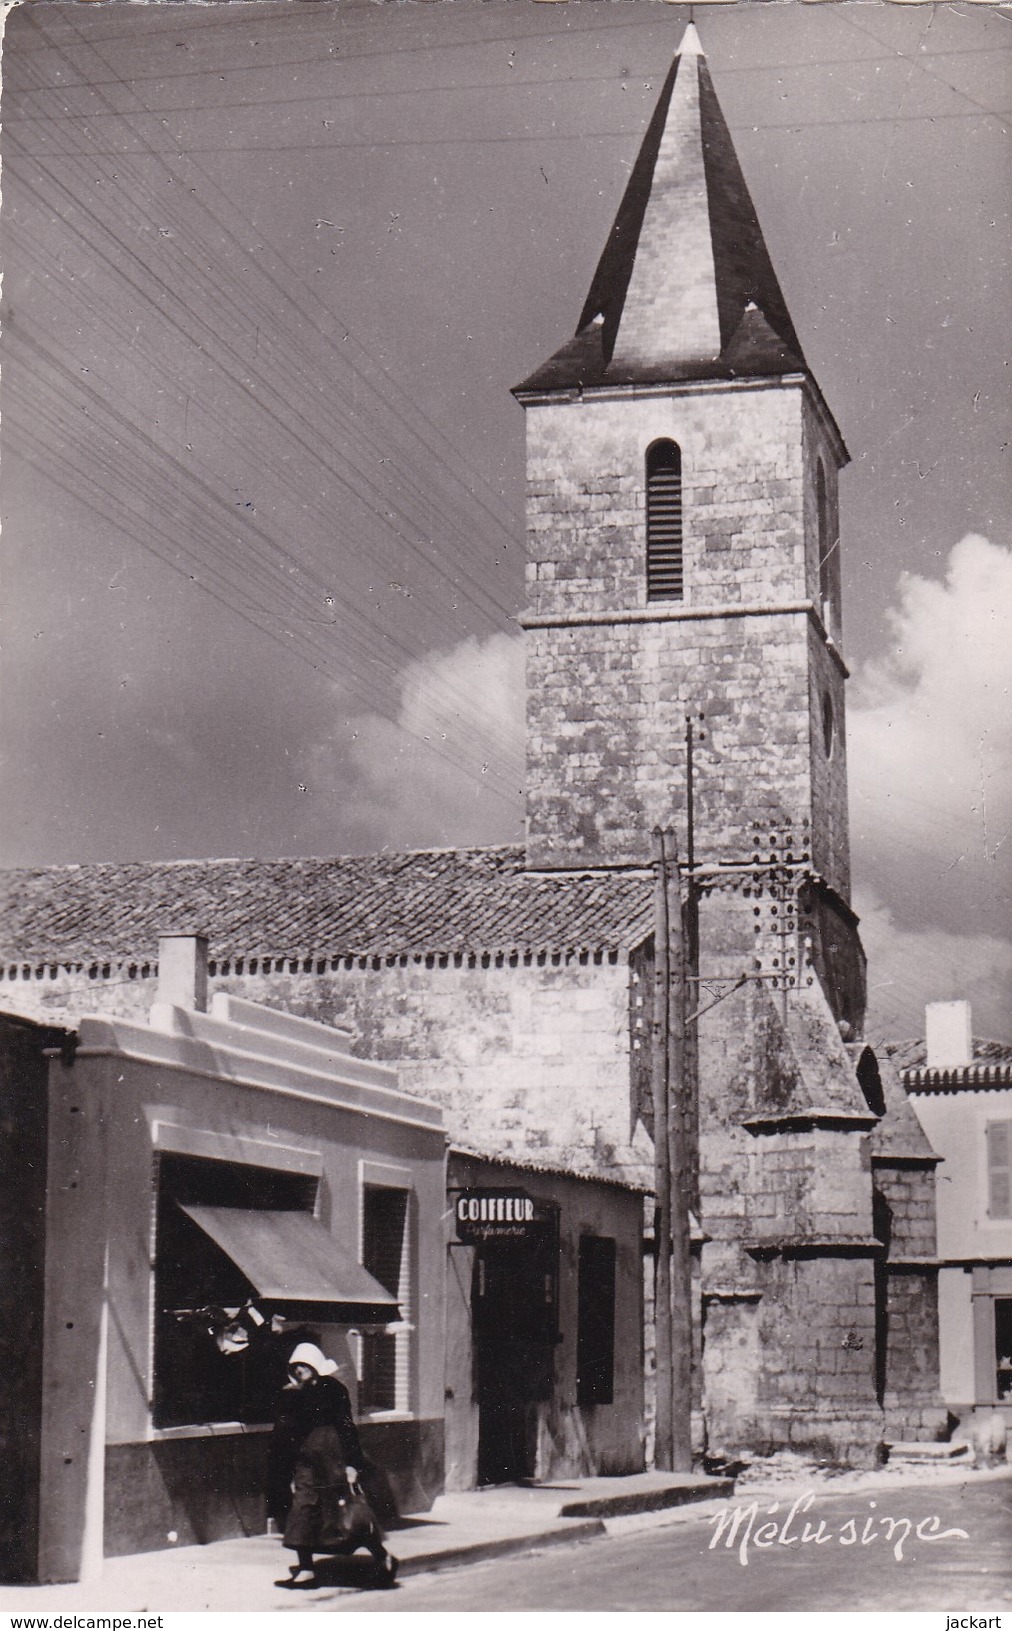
289,1258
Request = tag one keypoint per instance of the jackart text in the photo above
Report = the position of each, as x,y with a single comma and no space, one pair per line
748,1526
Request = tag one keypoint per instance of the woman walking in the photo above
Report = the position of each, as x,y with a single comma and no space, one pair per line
314,1467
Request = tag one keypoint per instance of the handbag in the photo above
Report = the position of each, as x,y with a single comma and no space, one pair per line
346,1518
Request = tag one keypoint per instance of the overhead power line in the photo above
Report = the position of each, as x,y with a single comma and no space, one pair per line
294,294
334,96
156,487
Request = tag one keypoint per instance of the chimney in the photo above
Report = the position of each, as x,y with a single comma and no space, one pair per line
182,972
948,1035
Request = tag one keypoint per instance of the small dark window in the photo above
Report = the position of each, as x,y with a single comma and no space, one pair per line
870,1080
828,724
664,522
826,545
999,1169
595,1323
384,1254
1003,1348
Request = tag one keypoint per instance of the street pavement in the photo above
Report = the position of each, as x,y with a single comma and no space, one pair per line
792,1536
849,1561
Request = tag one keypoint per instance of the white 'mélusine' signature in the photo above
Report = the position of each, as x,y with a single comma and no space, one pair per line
757,1531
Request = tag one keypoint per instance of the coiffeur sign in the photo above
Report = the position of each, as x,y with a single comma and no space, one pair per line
493,1214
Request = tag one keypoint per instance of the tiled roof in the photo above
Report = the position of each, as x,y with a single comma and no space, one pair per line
431,901
526,1163
899,1135
685,288
991,1065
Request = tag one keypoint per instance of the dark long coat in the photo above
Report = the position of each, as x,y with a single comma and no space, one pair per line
314,1440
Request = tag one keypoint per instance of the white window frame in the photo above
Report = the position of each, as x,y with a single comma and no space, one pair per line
387,1175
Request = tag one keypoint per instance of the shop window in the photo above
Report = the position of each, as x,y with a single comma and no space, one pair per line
199,1374
664,522
595,1322
999,1169
384,1381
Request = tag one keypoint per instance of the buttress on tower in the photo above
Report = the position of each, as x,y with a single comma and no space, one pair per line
682,562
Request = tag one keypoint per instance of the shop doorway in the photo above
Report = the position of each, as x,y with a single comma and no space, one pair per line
514,1307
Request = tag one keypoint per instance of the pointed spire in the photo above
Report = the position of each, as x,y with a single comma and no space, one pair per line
690,46
684,262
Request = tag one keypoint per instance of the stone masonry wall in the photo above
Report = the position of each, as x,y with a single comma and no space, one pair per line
908,1331
606,702
816,447
788,1265
606,748
797,1366
528,1056
830,824
910,1393
905,1208
828,766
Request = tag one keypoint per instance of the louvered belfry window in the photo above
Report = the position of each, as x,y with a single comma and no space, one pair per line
664,522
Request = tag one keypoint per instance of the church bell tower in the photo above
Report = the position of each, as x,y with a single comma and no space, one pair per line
682,535
682,562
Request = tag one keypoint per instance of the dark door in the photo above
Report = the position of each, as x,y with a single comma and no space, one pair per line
513,1307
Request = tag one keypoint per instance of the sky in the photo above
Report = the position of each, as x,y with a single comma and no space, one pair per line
270,271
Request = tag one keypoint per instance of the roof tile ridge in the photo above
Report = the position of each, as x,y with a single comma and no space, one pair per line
48,868
602,873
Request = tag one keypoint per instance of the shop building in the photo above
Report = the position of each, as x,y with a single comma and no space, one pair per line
544,1324
215,1184
25,1049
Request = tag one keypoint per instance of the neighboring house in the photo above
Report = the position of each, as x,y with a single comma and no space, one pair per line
179,1176
961,1091
183,1193
25,1051
682,560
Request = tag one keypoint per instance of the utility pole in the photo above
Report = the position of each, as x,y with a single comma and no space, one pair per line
663,1445
691,942
673,1166
680,1166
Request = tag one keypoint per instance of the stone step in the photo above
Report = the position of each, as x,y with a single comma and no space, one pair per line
912,1450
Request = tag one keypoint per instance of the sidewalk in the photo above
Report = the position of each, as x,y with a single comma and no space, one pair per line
461,1528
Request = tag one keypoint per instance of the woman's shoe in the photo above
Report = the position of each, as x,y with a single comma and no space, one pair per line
298,1576
388,1566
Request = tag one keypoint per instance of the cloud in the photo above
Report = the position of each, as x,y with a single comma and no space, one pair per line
910,967
930,767
449,769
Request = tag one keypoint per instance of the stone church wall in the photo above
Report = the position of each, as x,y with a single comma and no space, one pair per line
528,1055
610,678
908,1299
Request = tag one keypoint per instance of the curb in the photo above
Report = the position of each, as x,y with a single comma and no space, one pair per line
481,1550
617,1506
